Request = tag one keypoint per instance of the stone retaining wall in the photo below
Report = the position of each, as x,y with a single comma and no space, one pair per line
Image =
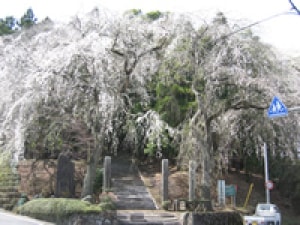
213,218
210,218
107,218
38,177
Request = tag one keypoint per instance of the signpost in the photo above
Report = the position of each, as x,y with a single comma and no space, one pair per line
266,173
276,109
269,185
230,191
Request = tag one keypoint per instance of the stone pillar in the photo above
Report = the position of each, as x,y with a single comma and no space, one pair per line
192,180
205,197
65,184
205,192
221,193
165,175
107,174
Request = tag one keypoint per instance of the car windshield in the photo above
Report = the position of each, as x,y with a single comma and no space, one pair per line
264,207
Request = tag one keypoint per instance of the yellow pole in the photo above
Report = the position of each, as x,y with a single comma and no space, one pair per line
248,195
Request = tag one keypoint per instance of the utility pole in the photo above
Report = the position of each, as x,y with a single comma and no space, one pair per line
266,173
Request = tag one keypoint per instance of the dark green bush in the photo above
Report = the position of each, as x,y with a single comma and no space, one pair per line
98,183
136,12
154,15
55,209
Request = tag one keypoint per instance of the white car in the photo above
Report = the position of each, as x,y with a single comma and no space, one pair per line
265,214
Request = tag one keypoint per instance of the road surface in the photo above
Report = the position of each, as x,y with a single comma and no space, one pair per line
7,218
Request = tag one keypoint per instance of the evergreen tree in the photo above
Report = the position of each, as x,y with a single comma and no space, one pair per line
28,19
7,25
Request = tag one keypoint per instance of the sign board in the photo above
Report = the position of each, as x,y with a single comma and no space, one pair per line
269,185
230,190
277,108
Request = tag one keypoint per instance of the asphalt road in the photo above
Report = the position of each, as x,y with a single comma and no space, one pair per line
7,218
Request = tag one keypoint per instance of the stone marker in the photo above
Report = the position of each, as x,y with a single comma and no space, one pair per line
165,175
221,193
65,185
107,174
192,180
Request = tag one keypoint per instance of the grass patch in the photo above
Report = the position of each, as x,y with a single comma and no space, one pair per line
55,209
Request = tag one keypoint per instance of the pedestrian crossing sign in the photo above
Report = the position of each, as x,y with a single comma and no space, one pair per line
277,108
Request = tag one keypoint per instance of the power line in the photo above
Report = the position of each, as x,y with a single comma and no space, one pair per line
255,23
294,8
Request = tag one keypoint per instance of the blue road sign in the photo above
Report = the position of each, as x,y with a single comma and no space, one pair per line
277,108
230,190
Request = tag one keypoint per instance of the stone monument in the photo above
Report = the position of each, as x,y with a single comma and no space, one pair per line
65,185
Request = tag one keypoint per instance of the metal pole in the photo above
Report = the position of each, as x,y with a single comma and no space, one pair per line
266,173
248,195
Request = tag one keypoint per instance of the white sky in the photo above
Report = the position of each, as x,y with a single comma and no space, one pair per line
281,32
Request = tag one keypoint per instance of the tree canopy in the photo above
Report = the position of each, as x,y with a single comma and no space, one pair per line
103,84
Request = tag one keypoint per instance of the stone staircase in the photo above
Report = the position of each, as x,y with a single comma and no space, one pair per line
9,186
135,205
128,187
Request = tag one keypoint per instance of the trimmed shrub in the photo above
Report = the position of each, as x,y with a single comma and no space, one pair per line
56,209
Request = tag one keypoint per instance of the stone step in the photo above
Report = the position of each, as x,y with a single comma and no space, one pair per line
146,204
132,195
130,192
132,200
147,218
137,188
137,182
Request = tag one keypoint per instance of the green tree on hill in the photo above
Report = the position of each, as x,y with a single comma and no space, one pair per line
28,19
7,25
10,24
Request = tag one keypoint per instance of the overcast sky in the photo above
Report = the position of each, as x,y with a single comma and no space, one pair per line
282,32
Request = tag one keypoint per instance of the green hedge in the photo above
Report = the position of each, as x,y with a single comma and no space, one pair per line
56,209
